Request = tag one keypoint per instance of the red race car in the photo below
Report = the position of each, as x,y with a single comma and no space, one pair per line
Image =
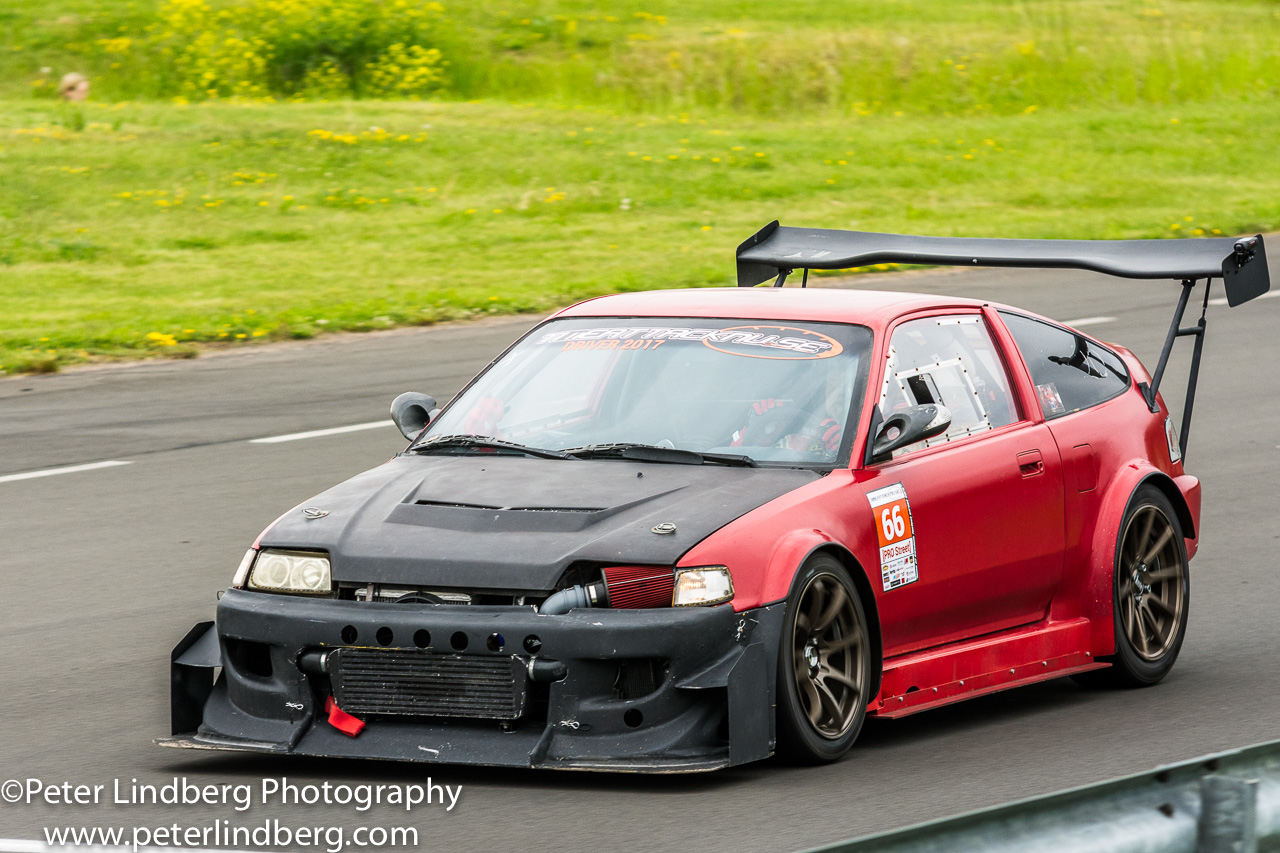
686,529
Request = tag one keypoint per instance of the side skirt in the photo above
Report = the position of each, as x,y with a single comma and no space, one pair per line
934,677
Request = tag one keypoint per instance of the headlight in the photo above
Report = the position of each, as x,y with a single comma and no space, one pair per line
299,572
703,585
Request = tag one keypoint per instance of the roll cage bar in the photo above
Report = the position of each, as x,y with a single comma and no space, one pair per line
776,251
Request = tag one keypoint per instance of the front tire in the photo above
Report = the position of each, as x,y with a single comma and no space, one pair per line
824,665
1150,594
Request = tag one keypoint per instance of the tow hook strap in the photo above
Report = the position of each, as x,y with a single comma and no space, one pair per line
341,720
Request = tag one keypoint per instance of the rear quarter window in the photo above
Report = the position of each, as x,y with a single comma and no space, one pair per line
1070,371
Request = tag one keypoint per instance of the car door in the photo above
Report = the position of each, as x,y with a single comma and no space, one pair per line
970,522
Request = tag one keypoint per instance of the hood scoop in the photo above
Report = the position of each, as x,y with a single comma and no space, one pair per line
490,517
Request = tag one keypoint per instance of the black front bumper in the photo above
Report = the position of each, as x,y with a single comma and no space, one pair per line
708,705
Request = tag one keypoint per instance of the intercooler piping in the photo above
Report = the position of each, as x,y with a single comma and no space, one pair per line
561,602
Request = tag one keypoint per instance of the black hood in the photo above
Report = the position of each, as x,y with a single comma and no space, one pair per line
516,523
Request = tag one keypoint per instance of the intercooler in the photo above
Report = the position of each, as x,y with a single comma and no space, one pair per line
414,682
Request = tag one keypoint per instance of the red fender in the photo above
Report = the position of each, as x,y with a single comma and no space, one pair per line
1189,488
1095,599
789,554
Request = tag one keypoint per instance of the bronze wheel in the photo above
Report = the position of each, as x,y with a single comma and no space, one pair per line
1151,594
1152,578
825,665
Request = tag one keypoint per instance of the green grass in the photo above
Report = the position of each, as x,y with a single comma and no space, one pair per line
775,57
582,147
222,222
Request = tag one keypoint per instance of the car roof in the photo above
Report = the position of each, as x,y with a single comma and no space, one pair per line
873,308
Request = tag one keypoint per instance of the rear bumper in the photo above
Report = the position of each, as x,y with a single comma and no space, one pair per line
708,705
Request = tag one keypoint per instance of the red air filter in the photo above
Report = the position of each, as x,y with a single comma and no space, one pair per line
639,586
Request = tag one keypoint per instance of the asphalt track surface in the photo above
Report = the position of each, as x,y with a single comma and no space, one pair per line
104,569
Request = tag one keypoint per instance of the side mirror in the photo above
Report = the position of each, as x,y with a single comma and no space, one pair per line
912,424
412,412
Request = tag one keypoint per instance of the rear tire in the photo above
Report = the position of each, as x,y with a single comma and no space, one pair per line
824,665
1151,588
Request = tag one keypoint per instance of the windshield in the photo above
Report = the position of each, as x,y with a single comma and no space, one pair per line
775,393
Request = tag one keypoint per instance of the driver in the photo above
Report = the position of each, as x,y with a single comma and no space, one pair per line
792,425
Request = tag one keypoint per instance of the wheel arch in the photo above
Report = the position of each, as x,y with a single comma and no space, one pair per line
1097,604
1165,484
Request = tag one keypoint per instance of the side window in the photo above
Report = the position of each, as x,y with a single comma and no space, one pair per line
1070,371
952,361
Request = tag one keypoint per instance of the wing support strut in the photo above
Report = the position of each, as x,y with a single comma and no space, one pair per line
1177,330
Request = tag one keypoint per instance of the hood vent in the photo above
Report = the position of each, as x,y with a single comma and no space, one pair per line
513,508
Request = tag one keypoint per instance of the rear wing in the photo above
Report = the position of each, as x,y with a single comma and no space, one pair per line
776,251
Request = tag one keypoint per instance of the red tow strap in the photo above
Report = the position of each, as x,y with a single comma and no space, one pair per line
341,720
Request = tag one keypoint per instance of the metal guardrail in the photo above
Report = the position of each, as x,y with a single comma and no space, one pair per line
1223,803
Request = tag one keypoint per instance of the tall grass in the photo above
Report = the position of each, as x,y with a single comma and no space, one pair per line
786,58
863,73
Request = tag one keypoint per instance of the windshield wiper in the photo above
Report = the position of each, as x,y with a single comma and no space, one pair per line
653,453
483,442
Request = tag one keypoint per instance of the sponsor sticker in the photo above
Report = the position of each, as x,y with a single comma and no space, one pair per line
892,512
756,341
1050,400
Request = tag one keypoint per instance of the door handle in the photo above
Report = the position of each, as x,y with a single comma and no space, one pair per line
1030,463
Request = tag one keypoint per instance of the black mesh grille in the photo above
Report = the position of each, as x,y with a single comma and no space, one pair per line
413,682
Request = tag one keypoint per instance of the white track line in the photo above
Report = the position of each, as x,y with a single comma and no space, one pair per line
1090,321
318,433
70,469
